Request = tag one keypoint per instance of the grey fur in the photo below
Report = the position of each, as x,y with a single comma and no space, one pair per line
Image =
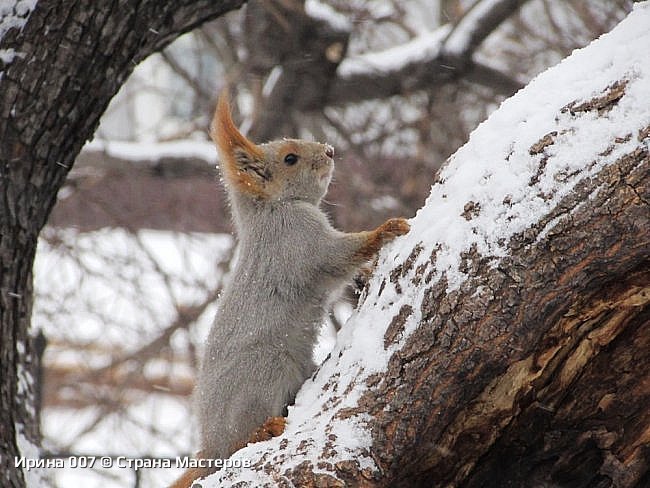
259,351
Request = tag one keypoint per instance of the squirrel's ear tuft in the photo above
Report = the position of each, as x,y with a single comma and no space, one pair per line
241,160
232,145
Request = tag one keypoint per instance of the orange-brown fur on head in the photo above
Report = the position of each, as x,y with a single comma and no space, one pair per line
261,170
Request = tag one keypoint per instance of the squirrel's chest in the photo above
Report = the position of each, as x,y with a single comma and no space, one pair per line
290,257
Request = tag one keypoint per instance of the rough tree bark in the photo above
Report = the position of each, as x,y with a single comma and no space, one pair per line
520,356
57,74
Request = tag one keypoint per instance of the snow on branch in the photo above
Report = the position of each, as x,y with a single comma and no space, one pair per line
457,41
320,10
564,128
481,19
427,60
143,151
13,15
421,49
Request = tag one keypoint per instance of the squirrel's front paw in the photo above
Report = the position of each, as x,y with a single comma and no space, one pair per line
386,232
393,228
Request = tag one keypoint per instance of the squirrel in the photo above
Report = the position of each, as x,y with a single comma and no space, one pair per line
291,263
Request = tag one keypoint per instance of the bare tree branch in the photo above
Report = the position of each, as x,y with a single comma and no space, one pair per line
312,79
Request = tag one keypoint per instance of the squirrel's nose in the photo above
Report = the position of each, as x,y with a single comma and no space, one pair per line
329,151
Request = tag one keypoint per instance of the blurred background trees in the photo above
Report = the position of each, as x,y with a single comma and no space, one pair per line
138,244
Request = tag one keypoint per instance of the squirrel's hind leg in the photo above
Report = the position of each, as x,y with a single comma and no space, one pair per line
191,475
272,427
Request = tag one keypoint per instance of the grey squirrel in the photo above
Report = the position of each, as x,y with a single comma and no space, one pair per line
291,262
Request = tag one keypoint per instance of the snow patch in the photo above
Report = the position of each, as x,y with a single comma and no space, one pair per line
8,55
271,81
34,477
155,151
13,15
421,49
385,202
459,40
319,10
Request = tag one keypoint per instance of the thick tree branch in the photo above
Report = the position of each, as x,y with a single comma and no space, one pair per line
368,85
56,92
477,24
504,341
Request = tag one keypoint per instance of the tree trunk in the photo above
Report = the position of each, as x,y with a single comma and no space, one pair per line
506,340
60,66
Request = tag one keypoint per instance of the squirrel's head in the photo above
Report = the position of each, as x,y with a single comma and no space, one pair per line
287,169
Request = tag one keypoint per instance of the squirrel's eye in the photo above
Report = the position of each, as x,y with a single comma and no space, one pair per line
291,159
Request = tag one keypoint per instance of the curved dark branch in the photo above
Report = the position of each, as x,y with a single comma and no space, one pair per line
478,23
51,99
57,76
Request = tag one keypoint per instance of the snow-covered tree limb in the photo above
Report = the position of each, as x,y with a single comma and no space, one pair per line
429,60
319,74
504,341
479,22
